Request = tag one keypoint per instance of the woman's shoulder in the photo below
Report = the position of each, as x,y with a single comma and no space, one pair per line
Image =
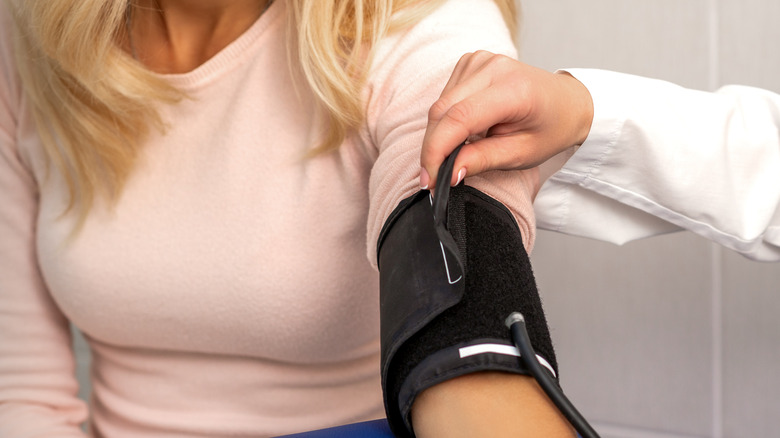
439,39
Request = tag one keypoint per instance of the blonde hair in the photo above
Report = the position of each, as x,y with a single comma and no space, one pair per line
93,104
334,58
90,100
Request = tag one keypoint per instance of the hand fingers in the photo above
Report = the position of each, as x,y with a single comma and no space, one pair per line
461,84
468,65
473,115
529,115
493,153
474,73
460,112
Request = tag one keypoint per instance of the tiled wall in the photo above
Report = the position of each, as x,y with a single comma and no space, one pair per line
671,336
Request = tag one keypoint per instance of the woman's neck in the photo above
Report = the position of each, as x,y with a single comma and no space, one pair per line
176,36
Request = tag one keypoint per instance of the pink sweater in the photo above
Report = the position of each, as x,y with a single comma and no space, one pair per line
231,291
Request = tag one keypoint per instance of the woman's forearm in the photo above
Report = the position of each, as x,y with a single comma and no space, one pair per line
493,404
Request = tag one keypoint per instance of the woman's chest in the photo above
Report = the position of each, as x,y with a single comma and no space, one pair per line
226,241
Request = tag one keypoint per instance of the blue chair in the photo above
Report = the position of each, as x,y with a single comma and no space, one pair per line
367,429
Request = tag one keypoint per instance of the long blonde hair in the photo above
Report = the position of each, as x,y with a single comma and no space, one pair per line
93,104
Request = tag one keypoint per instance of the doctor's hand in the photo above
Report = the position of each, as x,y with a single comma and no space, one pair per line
515,116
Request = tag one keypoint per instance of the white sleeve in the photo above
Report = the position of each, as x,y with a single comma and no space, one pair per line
661,158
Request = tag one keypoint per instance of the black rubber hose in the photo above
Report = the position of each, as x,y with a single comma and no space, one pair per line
516,324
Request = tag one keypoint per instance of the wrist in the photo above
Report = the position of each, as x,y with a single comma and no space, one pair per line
581,104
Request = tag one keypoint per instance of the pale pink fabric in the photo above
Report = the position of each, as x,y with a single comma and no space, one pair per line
231,291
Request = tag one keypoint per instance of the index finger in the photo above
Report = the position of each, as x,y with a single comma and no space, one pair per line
473,115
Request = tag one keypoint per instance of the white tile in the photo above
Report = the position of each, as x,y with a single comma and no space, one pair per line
751,359
749,36
748,40
611,431
632,328
666,39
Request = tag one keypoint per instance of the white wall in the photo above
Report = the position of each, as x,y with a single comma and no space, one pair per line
671,336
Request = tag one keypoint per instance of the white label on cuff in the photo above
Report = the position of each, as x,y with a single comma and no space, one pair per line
508,350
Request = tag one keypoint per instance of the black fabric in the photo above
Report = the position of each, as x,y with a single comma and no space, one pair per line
456,223
438,315
416,279
446,364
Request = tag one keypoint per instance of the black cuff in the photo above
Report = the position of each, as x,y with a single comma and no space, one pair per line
447,286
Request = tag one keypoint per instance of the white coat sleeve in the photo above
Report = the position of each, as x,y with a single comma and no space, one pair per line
661,158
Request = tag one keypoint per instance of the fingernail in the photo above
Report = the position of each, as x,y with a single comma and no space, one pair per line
461,175
424,179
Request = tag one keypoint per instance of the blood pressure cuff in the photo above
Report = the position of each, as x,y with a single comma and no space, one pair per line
451,270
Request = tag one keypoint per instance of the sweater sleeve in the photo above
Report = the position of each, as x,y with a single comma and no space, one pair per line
662,158
409,72
37,383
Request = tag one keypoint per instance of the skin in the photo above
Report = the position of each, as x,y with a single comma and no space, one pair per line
515,115
493,404
177,36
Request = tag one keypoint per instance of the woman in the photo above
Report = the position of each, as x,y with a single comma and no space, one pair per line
198,186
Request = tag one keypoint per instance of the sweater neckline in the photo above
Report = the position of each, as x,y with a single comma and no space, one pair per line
228,56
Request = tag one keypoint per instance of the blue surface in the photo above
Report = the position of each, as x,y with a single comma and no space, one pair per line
368,429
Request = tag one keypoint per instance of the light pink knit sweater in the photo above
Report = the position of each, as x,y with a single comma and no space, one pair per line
231,291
